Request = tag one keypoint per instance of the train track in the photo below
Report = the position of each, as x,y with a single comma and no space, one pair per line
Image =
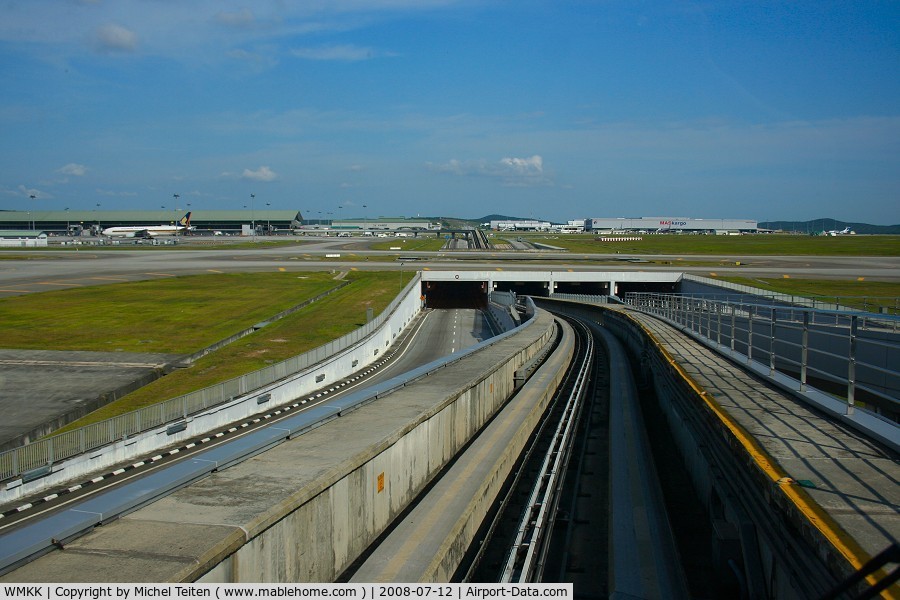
568,515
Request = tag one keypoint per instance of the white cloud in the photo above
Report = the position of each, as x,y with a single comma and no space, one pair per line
261,174
519,172
346,52
115,38
73,169
524,166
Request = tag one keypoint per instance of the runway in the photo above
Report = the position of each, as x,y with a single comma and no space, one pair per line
33,271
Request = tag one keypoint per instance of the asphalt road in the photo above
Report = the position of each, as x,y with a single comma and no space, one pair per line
439,333
30,271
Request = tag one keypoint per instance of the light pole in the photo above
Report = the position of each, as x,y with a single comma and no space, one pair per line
268,225
32,196
252,216
175,208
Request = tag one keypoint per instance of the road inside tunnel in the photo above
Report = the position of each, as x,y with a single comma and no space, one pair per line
455,294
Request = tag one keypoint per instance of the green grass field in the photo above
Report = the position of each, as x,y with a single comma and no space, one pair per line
727,245
310,327
173,316
861,294
184,314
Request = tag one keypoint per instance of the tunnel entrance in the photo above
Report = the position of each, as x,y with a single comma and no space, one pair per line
455,294
522,288
637,286
593,288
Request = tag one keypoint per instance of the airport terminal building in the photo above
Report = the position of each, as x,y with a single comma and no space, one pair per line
86,222
669,225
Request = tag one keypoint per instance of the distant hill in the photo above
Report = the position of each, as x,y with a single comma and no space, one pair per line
820,225
458,222
490,218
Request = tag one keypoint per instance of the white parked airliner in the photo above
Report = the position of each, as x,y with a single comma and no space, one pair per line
151,230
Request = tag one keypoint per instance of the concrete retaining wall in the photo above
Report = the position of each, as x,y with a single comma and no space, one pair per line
343,512
322,375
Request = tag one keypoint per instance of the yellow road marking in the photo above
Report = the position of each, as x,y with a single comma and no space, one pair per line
848,547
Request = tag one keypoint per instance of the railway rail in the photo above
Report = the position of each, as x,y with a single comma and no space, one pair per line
572,509
566,499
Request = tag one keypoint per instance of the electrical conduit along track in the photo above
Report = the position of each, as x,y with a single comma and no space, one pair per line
594,515
529,550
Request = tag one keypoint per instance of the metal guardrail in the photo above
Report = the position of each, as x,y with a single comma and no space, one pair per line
843,353
873,304
585,298
42,453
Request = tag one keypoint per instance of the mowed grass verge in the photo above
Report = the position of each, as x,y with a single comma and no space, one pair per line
310,327
172,316
422,244
852,292
731,245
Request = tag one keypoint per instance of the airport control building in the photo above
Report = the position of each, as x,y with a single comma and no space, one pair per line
670,225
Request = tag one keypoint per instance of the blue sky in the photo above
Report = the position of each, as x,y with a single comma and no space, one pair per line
552,110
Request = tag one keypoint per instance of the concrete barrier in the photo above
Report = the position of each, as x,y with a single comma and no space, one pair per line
334,368
307,509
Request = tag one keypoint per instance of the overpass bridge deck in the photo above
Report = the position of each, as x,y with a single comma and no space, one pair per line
840,486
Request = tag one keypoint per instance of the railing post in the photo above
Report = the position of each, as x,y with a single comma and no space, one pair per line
719,323
749,333
772,344
804,350
851,366
733,313
698,316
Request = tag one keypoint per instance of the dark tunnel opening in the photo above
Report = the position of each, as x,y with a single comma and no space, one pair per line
644,287
593,288
455,294
522,288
